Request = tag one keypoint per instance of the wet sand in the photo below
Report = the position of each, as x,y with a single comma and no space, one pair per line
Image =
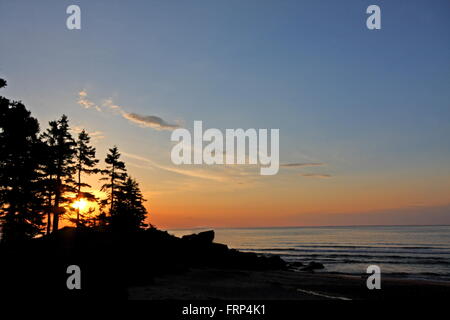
218,284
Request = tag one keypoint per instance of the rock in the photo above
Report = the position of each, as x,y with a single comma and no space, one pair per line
296,264
313,266
202,237
275,262
219,248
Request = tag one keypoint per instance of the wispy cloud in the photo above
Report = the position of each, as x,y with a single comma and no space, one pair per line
202,174
197,173
140,158
85,102
213,173
300,165
317,175
149,121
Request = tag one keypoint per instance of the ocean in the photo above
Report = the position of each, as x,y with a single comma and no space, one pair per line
417,252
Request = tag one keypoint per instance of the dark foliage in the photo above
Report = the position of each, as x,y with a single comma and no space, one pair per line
21,201
128,213
115,175
85,164
60,167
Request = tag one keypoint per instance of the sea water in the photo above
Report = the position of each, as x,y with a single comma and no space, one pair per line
419,252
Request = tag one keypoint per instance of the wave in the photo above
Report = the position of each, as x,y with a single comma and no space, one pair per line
378,250
424,252
354,258
376,246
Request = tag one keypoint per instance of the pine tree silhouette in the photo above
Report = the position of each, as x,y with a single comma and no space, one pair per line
115,174
21,196
85,164
128,213
60,166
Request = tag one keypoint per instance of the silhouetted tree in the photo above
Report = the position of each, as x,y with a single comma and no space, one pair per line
85,164
21,197
40,174
60,166
115,175
48,184
128,213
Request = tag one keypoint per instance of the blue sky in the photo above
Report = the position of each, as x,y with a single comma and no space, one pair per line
364,102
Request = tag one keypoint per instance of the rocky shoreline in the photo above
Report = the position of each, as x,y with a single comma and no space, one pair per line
111,262
154,265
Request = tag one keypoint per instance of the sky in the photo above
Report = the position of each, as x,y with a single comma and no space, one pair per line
364,115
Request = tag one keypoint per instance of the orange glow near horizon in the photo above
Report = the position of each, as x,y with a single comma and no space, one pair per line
178,201
316,203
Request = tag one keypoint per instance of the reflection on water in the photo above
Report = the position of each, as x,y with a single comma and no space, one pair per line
412,251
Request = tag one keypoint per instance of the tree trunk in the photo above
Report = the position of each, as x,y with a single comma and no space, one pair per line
56,206
49,212
79,190
49,222
112,190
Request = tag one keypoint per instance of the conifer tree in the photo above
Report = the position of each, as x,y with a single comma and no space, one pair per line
21,196
115,175
128,213
85,164
60,166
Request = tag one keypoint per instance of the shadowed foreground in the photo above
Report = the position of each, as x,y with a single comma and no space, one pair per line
225,284
110,261
151,264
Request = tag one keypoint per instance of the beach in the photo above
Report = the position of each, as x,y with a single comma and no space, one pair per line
223,284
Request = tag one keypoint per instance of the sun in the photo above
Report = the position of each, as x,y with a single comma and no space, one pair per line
80,204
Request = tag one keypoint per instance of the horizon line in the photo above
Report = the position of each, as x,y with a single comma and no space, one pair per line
318,226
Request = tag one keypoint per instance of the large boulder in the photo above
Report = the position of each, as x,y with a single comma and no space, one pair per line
205,237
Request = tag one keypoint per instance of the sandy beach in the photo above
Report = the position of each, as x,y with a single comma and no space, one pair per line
220,284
